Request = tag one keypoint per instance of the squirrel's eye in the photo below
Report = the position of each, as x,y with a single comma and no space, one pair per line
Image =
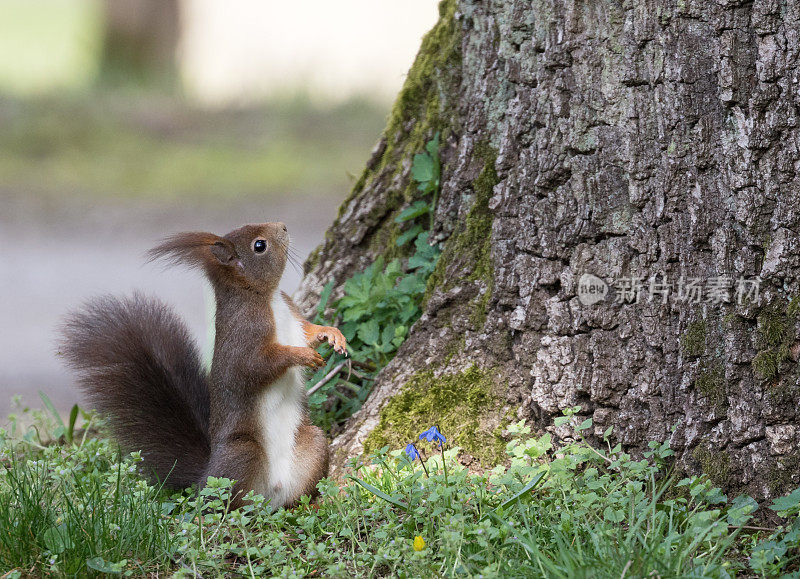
260,246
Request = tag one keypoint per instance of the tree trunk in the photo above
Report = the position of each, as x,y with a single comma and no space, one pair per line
652,140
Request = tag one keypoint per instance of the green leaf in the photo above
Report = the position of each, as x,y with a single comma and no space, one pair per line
393,270
388,333
790,502
421,243
349,330
430,181
167,507
433,146
409,311
73,418
408,235
100,564
613,515
323,298
410,285
356,292
355,313
426,255
422,169
418,208
527,488
56,539
740,510
379,493
585,424
369,332
559,420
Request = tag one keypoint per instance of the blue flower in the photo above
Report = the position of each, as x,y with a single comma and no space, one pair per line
433,435
411,451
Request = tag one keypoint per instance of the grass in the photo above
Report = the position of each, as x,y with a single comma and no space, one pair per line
142,145
95,513
81,509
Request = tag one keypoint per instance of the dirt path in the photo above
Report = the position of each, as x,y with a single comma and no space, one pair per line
53,256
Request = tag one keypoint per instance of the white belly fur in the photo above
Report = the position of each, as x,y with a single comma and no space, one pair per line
280,413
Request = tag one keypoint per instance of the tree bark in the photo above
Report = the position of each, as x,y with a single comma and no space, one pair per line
619,139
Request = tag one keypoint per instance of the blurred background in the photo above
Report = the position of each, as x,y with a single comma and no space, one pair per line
122,121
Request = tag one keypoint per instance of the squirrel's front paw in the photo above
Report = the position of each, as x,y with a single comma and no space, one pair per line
334,337
309,357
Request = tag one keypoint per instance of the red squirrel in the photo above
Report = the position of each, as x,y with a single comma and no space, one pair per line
247,419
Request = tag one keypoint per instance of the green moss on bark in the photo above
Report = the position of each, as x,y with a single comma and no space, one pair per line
471,242
774,335
711,384
773,328
793,309
767,363
312,260
715,463
454,348
462,405
694,340
478,233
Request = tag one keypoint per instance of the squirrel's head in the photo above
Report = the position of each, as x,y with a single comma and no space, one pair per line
253,256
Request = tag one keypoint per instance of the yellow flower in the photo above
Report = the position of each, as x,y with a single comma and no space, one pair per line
419,543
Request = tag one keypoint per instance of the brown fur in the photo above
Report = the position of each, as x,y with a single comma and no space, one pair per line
312,454
139,366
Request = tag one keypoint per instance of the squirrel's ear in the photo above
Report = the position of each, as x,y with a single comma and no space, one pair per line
225,252
196,249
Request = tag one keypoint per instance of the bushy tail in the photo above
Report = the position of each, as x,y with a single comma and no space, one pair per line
138,365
